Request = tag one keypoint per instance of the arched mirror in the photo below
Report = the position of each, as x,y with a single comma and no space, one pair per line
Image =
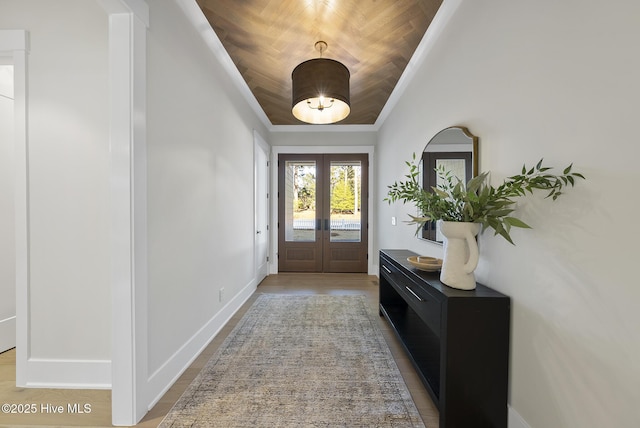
455,149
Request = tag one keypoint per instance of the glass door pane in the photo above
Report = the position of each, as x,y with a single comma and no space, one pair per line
300,201
322,212
345,201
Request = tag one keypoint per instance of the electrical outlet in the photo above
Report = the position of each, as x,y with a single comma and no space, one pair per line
221,294
393,221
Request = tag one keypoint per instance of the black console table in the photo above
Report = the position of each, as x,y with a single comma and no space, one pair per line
457,340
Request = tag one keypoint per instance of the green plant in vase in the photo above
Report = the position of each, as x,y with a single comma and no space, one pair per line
478,201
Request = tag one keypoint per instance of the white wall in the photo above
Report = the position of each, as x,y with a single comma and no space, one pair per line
322,138
69,291
200,133
7,235
557,80
200,193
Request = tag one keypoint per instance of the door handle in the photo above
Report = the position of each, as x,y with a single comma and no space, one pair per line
326,224
318,224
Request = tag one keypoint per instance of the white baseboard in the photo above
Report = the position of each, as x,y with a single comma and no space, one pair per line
7,333
515,420
375,269
162,379
68,374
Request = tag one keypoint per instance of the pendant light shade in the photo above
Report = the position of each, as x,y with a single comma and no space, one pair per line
320,91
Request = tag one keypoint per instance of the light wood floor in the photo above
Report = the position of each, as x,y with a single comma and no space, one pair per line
100,401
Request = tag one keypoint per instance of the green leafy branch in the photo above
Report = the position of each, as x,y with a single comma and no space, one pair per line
478,201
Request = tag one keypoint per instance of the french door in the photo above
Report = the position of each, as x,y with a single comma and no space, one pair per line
322,212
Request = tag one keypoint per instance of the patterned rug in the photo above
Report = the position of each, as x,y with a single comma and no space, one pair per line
300,361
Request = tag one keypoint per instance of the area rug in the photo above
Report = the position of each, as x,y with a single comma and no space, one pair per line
300,361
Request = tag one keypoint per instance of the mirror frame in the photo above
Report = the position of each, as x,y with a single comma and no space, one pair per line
428,164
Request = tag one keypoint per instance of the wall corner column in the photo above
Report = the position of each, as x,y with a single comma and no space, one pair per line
128,23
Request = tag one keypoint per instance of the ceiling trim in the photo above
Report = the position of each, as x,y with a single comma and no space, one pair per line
322,128
433,33
196,16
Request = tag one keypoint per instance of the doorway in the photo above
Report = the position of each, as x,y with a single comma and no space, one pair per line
261,200
322,212
7,212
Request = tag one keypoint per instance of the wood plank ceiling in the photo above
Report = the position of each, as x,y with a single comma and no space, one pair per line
267,39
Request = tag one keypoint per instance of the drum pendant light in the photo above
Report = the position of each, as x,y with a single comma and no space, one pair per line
320,90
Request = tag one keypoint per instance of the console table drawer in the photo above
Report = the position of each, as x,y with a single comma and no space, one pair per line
457,340
426,305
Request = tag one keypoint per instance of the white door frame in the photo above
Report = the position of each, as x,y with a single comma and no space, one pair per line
8,319
14,44
260,188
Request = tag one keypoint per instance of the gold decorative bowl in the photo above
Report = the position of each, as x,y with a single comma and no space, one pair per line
428,264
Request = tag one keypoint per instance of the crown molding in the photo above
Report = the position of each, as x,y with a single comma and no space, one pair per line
138,7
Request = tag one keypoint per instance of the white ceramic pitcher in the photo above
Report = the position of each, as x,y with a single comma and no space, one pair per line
460,254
